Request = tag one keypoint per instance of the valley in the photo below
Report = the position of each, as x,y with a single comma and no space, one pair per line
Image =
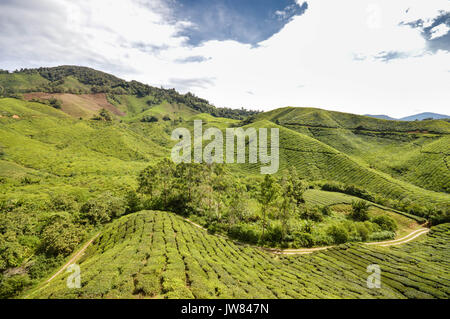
84,153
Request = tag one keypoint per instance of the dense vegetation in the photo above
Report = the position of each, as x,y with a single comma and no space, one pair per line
269,211
160,255
74,163
82,80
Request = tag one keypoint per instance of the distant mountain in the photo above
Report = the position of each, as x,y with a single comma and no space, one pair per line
381,116
423,116
418,117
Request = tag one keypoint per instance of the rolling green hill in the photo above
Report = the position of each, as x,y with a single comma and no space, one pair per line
85,81
159,255
57,159
396,148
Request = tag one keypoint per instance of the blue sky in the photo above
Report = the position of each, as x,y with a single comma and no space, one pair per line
359,56
249,21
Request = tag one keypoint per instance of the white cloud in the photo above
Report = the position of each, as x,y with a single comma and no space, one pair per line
329,57
439,31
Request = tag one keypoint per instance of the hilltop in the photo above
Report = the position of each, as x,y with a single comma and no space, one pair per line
87,83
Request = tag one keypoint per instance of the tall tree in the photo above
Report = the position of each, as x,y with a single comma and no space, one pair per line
268,193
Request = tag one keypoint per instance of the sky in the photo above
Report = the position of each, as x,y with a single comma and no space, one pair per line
359,56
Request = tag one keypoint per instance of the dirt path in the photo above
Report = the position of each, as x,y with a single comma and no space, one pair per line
74,258
301,251
403,240
411,236
71,261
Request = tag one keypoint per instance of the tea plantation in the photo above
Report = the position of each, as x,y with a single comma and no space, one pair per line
154,254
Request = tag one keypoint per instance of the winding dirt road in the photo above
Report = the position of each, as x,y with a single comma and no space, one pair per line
302,251
411,236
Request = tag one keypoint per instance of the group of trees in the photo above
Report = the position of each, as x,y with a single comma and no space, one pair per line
103,115
54,102
36,236
267,211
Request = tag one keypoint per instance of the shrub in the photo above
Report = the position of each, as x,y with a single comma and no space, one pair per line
273,235
385,222
149,119
61,238
339,233
439,217
303,240
326,210
57,104
347,189
362,231
311,214
63,202
360,211
103,115
12,286
133,203
102,209
27,180
382,235
244,232
43,264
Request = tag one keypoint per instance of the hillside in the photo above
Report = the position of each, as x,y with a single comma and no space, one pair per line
398,149
86,81
159,255
75,143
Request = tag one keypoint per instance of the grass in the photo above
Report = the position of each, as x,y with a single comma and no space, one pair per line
159,255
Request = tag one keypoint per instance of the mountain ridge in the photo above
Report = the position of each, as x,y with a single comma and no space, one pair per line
414,117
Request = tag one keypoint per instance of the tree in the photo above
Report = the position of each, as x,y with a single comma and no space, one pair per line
268,193
298,187
360,211
102,209
133,203
385,222
288,202
149,119
61,238
103,115
339,234
158,181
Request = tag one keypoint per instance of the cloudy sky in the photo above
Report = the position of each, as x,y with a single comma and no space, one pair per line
359,56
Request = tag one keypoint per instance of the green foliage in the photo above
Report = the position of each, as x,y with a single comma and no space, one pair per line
149,119
268,193
103,115
360,211
386,223
153,254
338,233
12,286
314,214
61,238
133,202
